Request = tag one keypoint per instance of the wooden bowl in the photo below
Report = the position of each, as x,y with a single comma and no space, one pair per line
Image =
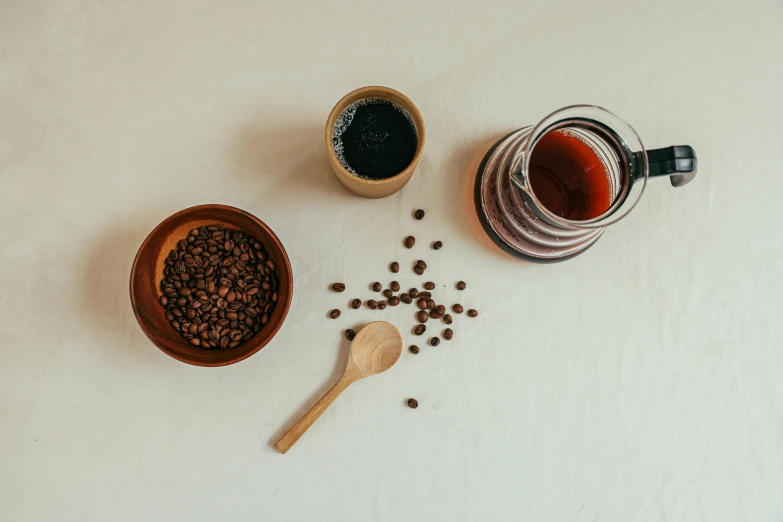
147,273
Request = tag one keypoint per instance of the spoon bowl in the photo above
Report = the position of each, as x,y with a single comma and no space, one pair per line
375,348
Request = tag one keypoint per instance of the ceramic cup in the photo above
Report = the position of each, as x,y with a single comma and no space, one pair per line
374,188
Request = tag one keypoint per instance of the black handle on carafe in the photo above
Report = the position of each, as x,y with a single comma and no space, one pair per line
677,161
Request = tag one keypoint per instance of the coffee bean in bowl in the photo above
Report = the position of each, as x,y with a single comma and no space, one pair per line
225,274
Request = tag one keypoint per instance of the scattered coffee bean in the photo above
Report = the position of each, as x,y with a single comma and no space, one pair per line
334,314
447,319
350,334
414,293
388,293
434,341
435,315
338,287
457,308
472,313
421,264
422,304
421,316
431,304
406,298
425,295
372,304
437,245
413,403
429,285
394,300
440,309
381,305
395,286
377,287
448,333
419,329
461,285
395,267
419,214
356,304
409,241
417,270
414,349
212,281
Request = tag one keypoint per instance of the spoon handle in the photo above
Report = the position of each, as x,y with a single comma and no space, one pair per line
297,430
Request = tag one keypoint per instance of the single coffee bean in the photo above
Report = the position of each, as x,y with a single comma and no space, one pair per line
413,403
395,286
434,341
422,304
350,334
418,270
224,342
429,285
414,293
419,329
425,295
447,319
409,241
437,245
394,300
388,293
448,333
472,313
435,315
395,267
421,264
422,316
377,287
356,303
372,304
334,314
414,349
195,341
457,308
406,298
381,305
440,309
419,214
164,300
431,304
461,285
338,287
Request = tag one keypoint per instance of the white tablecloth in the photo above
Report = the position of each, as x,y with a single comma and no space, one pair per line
640,381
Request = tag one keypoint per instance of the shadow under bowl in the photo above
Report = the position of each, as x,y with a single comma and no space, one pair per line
147,272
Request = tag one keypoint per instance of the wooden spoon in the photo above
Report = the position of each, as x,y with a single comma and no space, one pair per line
375,349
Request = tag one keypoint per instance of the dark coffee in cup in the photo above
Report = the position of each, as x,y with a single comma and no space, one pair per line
374,138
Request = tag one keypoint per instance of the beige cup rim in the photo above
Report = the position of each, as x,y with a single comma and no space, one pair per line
387,93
